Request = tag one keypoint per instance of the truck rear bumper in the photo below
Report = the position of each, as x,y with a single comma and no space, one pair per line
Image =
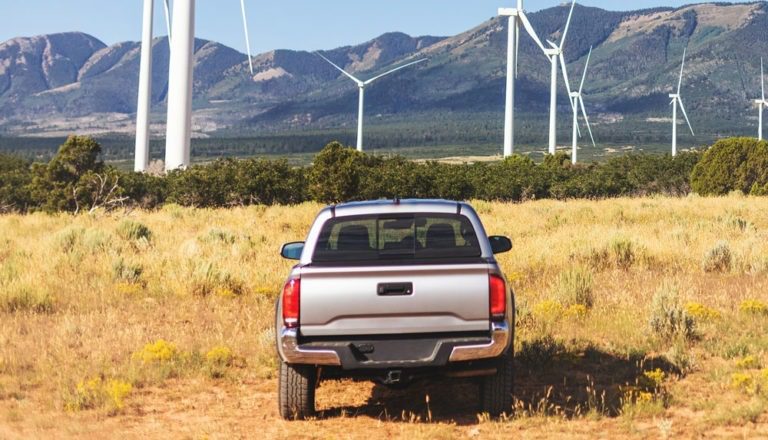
413,351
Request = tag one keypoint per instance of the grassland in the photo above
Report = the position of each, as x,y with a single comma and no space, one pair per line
644,318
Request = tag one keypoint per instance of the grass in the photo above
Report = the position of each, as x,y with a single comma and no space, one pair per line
163,322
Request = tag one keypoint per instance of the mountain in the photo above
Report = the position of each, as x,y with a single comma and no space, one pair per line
73,81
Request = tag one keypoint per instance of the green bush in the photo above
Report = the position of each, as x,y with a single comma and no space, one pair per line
738,164
669,319
15,178
574,288
132,230
718,259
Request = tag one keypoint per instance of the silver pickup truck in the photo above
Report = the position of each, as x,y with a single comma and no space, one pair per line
395,291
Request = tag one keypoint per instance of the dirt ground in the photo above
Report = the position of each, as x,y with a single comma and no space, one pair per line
204,409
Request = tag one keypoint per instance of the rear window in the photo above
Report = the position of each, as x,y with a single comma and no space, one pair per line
402,237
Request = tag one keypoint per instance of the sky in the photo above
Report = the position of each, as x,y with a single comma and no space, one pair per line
274,24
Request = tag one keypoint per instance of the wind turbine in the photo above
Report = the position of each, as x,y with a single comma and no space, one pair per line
362,85
678,100
145,85
555,54
179,122
577,101
761,103
517,17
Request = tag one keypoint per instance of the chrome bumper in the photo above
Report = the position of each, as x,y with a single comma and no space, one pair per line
292,354
500,336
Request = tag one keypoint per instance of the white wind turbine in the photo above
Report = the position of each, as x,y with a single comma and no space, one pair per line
761,103
555,54
678,100
516,18
179,122
362,85
577,101
144,104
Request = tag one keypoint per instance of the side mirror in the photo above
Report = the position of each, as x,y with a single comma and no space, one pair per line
292,251
500,244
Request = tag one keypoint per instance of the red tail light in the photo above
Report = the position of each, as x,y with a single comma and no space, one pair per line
498,297
291,300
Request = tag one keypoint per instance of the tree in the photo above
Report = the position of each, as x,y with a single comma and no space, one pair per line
737,164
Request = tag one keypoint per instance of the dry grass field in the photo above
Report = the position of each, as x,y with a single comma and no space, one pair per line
641,318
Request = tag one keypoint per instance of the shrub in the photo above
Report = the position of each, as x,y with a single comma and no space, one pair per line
574,287
133,231
70,238
749,362
218,360
337,173
216,235
67,182
737,164
19,297
718,259
701,312
623,251
127,272
668,318
15,178
753,307
158,352
208,279
96,393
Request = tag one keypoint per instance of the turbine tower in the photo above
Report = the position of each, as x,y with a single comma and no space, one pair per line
362,85
516,18
555,54
678,100
577,101
144,104
761,103
179,123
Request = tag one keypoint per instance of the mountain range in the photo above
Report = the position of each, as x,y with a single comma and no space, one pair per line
58,83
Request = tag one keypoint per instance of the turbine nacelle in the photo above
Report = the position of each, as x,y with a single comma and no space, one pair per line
508,12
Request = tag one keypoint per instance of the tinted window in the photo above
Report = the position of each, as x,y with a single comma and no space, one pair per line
410,237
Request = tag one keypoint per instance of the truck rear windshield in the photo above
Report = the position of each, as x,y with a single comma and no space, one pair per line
402,237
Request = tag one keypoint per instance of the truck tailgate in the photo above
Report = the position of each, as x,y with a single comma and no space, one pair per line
369,300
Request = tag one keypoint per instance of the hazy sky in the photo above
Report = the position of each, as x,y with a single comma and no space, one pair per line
275,24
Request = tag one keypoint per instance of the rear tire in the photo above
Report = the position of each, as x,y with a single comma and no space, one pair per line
496,391
297,385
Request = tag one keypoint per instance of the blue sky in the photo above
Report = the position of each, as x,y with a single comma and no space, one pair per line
275,24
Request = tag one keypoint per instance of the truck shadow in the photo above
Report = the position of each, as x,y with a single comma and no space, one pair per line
549,380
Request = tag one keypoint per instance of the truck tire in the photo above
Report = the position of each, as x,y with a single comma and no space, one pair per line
496,391
297,385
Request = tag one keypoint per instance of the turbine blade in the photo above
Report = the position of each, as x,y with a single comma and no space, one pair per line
247,36
680,82
584,76
167,9
565,74
586,119
682,107
517,46
393,71
567,26
762,77
529,28
339,68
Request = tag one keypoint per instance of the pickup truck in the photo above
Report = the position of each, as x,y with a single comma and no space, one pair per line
395,291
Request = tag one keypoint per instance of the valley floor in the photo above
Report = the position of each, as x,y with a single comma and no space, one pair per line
640,318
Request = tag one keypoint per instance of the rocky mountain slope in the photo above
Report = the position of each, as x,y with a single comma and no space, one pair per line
68,77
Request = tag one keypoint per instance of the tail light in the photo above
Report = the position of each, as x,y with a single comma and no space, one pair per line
498,297
291,300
